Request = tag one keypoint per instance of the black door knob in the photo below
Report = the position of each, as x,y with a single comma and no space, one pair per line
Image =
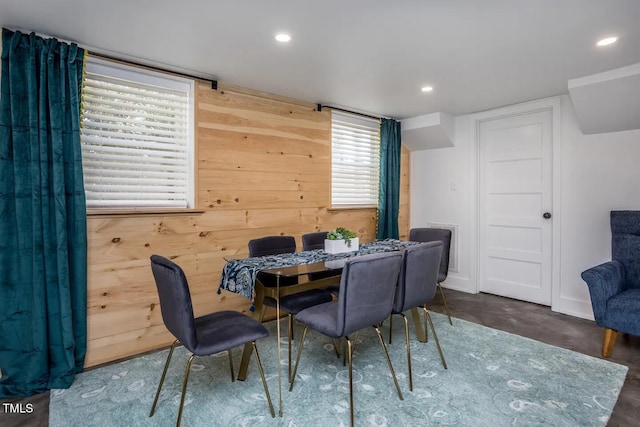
546,215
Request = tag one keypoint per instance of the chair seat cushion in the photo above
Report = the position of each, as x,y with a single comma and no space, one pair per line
295,303
223,330
323,318
623,312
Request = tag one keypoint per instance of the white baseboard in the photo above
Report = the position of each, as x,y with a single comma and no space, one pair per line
457,283
574,307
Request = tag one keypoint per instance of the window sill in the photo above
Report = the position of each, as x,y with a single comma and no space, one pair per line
348,207
93,213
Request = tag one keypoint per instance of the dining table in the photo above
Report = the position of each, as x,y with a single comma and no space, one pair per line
240,276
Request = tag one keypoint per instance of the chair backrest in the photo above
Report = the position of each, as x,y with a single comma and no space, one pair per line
272,245
367,289
311,241
625,244
418,276
431,235
175,300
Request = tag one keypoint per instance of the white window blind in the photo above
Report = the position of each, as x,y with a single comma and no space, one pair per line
355,160
137,137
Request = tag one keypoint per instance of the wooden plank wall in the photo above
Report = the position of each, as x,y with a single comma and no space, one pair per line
263,168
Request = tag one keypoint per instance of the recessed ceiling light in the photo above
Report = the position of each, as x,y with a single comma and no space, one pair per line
283,38
607,41
427,89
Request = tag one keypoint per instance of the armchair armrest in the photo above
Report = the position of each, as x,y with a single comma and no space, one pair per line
604,281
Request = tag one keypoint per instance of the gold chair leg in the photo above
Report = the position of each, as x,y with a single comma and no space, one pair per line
350,357
264,380
353,348
295,369
444,302
406,335
345,349
258,315
184,389
336,344
164,374
386,353
354,342
293,338
426,326
428,317
233,378
390,328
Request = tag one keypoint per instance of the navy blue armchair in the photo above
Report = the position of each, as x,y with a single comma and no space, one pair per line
615,285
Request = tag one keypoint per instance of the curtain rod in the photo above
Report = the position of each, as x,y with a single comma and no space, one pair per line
320,107
214,83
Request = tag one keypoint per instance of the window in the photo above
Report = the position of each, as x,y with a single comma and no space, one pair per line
355,160
137,137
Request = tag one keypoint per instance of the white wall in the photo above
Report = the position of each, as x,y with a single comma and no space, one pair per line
433,173
599,173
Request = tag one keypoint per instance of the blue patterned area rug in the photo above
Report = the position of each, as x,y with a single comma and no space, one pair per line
493,379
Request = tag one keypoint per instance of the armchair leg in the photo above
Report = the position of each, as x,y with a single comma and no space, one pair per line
608,342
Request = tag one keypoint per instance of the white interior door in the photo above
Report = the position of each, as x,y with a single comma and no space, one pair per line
515,237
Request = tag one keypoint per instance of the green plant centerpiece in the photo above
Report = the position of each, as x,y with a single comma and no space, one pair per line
341,233
341,240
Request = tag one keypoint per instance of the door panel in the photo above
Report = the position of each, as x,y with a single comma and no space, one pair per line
515,190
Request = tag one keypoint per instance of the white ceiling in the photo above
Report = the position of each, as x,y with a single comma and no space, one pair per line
366,55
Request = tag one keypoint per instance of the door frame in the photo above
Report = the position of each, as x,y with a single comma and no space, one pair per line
554,105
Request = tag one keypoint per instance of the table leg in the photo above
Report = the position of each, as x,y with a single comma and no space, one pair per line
278,328
420,332
257,314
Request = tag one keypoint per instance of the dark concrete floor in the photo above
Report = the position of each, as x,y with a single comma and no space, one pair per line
30,411
518,317
540,323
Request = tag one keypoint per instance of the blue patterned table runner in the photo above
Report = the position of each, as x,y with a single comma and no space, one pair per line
239,275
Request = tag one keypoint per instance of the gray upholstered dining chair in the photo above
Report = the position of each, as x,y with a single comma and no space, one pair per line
202,336
315,240
416,288
367,289
312,241
273,245
428,234
291,304
614,286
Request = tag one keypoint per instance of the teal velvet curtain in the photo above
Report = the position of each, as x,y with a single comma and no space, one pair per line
43,233
389,200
